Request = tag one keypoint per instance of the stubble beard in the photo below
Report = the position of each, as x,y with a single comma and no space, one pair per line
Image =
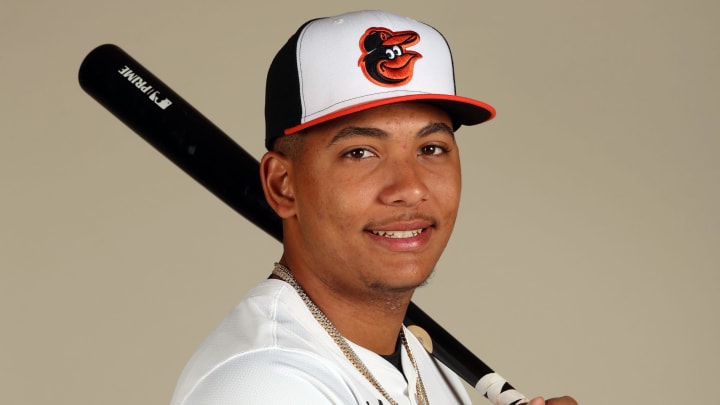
394,297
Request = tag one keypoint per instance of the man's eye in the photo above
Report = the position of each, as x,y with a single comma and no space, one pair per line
359,153
432,150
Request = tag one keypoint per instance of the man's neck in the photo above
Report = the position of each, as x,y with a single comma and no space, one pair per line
369,317
372,325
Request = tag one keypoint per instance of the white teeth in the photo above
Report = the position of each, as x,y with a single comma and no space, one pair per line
398,234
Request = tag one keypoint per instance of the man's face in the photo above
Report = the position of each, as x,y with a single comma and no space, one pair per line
376,195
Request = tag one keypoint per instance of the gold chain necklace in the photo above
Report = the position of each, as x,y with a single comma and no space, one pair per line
420,395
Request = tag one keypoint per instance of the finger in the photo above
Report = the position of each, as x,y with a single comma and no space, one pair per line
560,401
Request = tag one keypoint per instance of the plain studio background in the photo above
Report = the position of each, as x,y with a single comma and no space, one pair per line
585,260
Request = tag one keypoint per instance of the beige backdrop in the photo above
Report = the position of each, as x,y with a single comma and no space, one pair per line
586,260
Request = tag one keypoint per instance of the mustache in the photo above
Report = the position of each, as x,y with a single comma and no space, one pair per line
426,219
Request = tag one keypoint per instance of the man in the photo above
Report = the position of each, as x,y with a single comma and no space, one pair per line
364,171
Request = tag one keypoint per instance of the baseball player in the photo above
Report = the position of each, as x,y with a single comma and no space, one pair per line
363,168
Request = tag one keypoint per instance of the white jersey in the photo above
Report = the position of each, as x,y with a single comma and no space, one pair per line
271,350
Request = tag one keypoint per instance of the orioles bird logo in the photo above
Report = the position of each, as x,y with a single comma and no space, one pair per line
385,59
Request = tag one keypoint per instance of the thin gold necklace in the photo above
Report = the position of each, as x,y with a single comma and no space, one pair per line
420,395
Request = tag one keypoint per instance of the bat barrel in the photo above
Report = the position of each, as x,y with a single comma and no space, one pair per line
177,130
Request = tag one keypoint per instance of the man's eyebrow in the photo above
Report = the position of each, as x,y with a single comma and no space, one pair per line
349,132
372,132
436,127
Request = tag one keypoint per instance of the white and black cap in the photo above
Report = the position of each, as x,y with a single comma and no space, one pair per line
335,66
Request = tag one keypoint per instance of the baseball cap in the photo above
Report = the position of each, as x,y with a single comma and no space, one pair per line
336,66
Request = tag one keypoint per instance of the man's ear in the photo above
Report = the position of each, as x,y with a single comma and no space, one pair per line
275,174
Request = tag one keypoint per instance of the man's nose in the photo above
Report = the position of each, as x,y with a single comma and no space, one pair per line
405,184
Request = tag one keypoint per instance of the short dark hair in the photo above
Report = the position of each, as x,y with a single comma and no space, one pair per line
289,145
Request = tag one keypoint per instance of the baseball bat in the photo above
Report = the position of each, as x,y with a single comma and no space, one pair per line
180,132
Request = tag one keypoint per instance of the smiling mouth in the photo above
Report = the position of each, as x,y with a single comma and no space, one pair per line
398,234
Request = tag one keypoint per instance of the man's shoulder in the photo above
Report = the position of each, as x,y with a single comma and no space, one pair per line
270,329
267,375
270,315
